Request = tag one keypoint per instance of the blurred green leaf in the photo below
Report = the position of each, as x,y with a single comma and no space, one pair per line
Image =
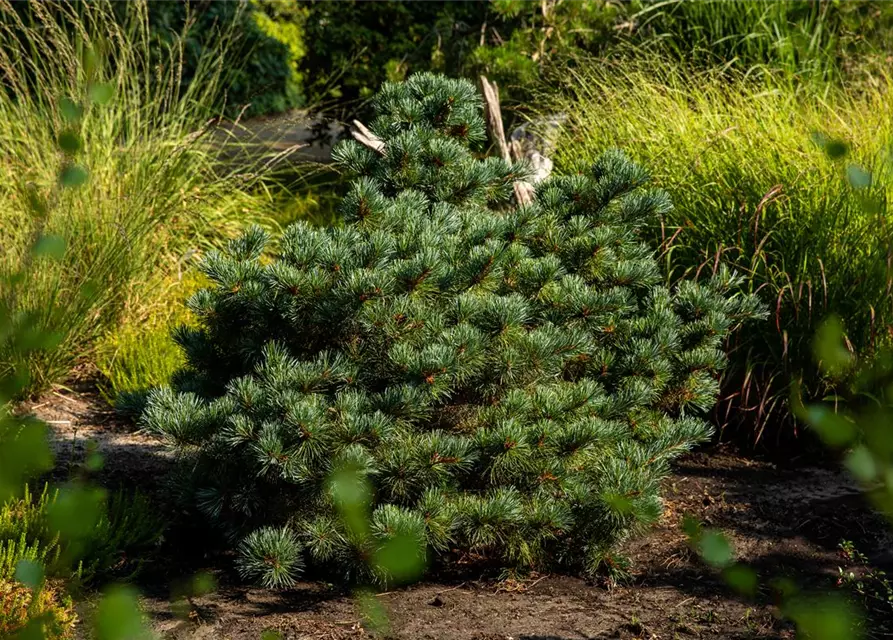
203,583
825,617
830,351
875,427
34,337
352,495
873,205
34,630
70,142
13,382
691,527
374,615
94,462
784,587
861,464
836,149
833,148
76,511
401,558
882,498
715,548
91,62
24,453
71,111
834,429
118,616
269,634
620,504
858,177
741,578
29,573
51,246
72,176
100,93
36,202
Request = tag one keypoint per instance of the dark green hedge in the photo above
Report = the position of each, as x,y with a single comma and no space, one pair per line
354,45
264,55
334,53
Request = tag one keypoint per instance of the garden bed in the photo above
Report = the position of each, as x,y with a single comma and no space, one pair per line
783,520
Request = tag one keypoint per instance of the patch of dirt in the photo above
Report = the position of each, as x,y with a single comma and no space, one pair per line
81,420
783,521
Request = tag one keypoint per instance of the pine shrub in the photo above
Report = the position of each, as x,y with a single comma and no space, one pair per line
512,381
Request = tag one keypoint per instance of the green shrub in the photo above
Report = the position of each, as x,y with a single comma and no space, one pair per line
521,38
512,381
126,530
124,538
15,550
266,45
26,515
750,185
353,46
45,613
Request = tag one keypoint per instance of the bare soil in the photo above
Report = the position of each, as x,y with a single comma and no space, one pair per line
784,520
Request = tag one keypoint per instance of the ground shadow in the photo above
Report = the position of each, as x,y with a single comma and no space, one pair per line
783,521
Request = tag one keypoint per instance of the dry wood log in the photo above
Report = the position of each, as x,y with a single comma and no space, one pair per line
365,137
493,113
523,190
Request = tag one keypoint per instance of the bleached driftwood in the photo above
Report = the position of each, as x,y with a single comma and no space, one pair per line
361,134
492,110
535,142
493,113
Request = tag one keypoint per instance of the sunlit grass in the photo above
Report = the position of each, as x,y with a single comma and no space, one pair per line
139,353
155,193
752,188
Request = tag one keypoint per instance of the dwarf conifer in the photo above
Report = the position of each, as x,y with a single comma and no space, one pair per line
511,381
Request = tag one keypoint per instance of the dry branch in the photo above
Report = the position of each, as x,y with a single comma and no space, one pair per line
523,190
365,137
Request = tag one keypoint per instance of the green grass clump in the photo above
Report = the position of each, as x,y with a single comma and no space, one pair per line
806,222
86,97
139,352
797,41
